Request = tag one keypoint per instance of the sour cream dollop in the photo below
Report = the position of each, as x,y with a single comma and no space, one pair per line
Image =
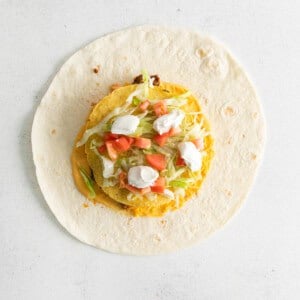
191,156
125,124
172,120
142,176
108,167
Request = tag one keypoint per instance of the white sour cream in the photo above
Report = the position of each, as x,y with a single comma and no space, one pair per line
169,194
172,120
108,167
125,125
191,156
142,176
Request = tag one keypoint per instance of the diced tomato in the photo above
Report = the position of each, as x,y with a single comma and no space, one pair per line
129,139
124,184
180,161
160,108
174,131
198,143
133,189
142,143
144,105
121,144
157,161
108,136
159,185
161,139
112,153
102,149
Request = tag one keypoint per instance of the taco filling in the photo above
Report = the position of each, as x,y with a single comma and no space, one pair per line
145,148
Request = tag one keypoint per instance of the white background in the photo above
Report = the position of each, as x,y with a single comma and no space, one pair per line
256,256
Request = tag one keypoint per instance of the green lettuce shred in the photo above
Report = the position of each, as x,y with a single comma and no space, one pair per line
136,101
88,182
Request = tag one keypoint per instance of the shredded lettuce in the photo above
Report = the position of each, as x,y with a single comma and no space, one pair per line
136,101
144,128
176,173
163,150
94,144
179,183
179,193
104,125
138,92
151,196
146,79
175,101
88,182
142,115
109,182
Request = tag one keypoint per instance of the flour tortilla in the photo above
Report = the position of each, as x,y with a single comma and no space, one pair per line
228,100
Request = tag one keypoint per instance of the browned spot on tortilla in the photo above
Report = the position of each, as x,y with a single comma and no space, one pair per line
96,69
253,156
229,140
93,103
205,101
129,221
157,238
254,115
229,111
243,135
85,205
228,193
163,222
53,131
201,52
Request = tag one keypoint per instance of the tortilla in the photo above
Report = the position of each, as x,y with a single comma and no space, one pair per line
228,100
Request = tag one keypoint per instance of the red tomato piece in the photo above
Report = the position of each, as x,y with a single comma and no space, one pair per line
157,161
160,139
112,153
144,105
160,108
108,136
121,144
129,139
159,185
135,190
101,149
174,131
124,184
142,143
132,188
180,162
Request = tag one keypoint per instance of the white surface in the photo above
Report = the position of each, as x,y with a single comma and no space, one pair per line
256,256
